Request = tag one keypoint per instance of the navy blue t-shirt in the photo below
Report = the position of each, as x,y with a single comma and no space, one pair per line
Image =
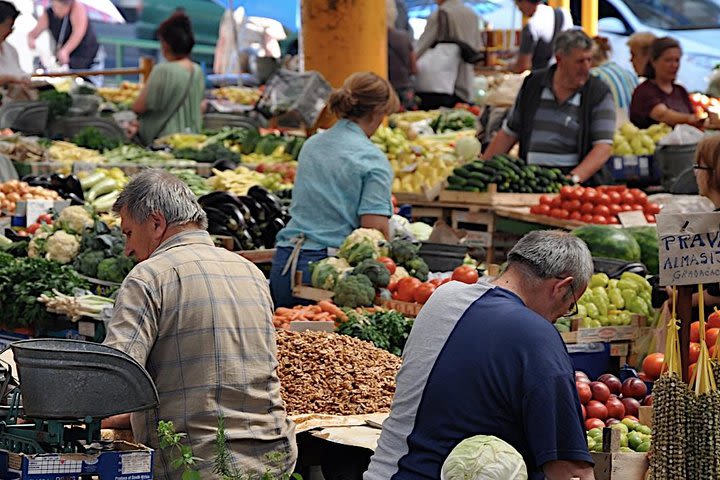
478,361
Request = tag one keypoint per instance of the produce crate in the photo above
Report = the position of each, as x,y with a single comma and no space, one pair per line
602,334
310,293
492,198
591,358
409,309
634,167
428,194
36,168
611,464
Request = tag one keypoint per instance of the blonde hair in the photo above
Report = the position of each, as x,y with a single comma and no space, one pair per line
601,50
391,13
363,94
708,153
641,42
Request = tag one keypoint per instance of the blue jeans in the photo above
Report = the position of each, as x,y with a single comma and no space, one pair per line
280,287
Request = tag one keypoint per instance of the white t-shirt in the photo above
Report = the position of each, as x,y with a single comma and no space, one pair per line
537,36
9,61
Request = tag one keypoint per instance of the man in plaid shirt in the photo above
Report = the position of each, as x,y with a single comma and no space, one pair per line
199,318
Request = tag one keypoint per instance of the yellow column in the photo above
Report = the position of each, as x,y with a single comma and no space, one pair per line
340,37
589,16
559,3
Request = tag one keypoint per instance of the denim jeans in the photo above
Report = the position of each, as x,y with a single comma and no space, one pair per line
280,287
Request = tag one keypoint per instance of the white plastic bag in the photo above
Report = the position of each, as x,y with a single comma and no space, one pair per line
438,69
682,134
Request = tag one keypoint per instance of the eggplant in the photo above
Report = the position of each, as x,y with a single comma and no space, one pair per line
269,201
232,212
72,186
215,198
256,210
216,217
74,199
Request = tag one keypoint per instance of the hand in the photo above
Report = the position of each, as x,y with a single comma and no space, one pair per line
31,42
63,57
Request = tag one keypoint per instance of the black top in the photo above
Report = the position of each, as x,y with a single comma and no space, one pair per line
84,55
399,48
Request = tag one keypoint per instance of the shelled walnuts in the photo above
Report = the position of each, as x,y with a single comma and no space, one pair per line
323,372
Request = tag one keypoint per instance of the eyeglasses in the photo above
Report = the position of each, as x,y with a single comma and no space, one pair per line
573,311
701,167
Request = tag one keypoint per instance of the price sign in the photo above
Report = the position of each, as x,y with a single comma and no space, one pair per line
632,219
689,248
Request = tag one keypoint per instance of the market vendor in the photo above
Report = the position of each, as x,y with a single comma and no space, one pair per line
485,359
171,100
660,99
538,34
343,182
10,70
563,116
75,39
199,319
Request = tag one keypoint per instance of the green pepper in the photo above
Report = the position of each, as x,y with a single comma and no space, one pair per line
616,298
625,318
586,298
592,310
603,319
586,322
598,280
637,305
628,285
612,283
641,283
601,300
582,310
628,294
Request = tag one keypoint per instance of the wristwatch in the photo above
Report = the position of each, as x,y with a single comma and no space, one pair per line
575,178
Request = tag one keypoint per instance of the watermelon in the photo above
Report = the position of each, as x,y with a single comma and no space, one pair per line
648,240
609,242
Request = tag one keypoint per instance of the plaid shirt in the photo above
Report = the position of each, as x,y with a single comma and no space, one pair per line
199,318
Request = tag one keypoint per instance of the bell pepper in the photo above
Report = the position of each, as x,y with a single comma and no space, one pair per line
628,294
612,283
582,310
598,280
637,305
586,322
625,318
616,298
641,283
601,300
592,310
628,285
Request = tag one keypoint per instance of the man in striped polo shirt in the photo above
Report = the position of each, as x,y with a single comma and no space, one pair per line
563,117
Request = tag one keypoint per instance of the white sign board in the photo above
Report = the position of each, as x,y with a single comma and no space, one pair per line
689,248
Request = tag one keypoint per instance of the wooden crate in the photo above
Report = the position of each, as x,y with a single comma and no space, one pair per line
428,194
310,293
406,308
611,464
492,198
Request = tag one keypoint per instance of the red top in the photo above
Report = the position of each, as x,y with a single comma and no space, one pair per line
647,95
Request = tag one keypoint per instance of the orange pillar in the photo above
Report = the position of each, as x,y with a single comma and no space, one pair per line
559,3
589,16
340,37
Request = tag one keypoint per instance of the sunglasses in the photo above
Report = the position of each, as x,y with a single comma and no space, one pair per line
701,167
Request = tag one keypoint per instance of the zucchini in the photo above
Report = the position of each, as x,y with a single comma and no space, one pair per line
455,180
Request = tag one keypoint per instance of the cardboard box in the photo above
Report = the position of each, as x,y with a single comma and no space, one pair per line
127,462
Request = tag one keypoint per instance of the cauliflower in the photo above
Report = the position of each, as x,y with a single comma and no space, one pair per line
62,247
400,272
327,271
37,246
75,219
363,243
360,234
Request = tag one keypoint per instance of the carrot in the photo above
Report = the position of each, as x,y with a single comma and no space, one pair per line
319,317
282,311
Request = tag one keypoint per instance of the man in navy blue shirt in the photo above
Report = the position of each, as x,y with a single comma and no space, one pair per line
485,359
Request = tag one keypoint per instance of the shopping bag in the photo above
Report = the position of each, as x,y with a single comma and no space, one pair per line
437,69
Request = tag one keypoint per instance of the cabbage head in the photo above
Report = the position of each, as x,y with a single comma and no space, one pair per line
484,457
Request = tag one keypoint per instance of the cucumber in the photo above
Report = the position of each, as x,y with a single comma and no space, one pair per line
455,180
477,183
461,172
480,176
455,187
469,188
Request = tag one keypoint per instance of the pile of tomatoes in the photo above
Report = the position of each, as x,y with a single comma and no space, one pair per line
595,205
410,289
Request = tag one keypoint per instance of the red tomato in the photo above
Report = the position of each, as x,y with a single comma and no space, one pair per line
392,286
615,188
653,365
627,197
613,220
615,208
599,219
402,297
575,215
566,192
587,207
423,292
652,208
636,207
587,218
591,423
601,210
577,193
694,352
603,199
713,320
32,228
614,197
556,202
589,195
436,281
389,264
650,218
535,210
554,212
695,332
562,214
465,274
640,196
711,336
543,209
45,218
571,205
625,207
546,199
406,288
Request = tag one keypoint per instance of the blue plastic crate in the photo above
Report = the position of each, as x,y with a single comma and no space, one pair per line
591,358
634,167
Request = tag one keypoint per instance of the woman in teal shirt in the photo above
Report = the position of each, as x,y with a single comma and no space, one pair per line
343,182
170,102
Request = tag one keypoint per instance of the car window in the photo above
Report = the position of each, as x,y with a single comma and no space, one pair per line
675,14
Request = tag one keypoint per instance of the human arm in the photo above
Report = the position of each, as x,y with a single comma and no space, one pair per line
79,21
501,143
661,113
40,26
413,63
602,130
140,105
117,422
593,161
375,207
564,470
523,61
8,79
153,86
378,222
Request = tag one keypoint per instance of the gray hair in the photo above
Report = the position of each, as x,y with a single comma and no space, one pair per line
552,254
569,40
157,191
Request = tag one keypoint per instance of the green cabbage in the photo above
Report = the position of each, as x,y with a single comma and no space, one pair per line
467,148
484,457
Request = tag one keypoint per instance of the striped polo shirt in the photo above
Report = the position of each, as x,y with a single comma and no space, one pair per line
621,81
554,140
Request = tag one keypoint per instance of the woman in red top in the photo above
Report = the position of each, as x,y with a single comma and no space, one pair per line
660,99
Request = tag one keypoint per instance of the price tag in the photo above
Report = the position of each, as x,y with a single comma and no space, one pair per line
635,218
35,208
689,247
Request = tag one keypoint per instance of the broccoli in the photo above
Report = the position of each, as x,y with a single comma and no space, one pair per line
403,251
358,252
114,269
87,262
375,271
354,291
418,268
326,272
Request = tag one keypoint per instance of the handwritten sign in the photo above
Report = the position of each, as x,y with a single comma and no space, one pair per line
632,219
689,248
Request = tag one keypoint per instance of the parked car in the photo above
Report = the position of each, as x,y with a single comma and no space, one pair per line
205,16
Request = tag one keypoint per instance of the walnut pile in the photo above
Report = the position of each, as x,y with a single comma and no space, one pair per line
323,372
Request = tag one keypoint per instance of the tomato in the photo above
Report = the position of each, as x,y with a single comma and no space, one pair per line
575,215
543,209
613,220
653,365
562,214
599,219
627,197
615,188
650,218
614,197
389,264
587,207
591,423
546,199
535,209
32,228
713,320
423,292
571,205
587,218
640,196
465,274
566,192
695,332
694,352
615,208
711,336
636,207
603,199
577,193
652,208
45,218
556,202
554,212
601,210
589,195
436,281
406,288
392,286
625,207
403,297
